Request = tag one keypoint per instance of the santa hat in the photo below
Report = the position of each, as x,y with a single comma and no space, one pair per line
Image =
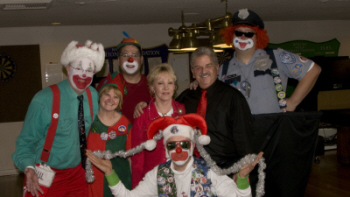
129,41
93,51
182,126
247,17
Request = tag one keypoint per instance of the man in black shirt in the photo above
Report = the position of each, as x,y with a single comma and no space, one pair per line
227,114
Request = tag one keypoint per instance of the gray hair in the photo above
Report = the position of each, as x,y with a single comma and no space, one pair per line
200,51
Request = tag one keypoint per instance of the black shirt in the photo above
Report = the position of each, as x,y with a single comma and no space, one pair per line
228,119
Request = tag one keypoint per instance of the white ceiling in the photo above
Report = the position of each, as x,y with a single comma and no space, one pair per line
108,12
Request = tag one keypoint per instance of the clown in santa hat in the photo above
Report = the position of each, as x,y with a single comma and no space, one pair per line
183,174
52,141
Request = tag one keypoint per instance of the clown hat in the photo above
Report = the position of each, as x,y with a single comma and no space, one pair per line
93,51
129,41
247,17
182,126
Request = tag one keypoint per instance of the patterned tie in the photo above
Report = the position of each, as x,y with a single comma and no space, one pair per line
81,127
202,105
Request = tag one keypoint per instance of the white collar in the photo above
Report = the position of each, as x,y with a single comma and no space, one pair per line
169,113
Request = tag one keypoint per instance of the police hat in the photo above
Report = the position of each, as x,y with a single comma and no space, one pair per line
247,17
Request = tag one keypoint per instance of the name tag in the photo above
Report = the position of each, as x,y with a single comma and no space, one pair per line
45,174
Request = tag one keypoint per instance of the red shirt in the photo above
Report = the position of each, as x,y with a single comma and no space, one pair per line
135,93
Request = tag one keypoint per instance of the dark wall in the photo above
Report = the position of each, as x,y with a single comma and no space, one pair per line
335,75
17,92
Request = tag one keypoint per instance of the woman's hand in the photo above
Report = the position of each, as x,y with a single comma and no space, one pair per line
105,165
249,167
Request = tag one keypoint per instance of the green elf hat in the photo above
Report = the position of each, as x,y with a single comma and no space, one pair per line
115,81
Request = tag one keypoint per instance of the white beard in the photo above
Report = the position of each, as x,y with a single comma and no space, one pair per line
249,42
130,70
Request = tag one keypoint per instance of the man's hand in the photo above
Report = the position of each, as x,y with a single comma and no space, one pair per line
32,183
139,109
105,165
290,105
249,167
193,85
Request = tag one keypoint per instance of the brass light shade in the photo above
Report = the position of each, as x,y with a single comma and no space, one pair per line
219,43
176,42
189,38
189,42
217,38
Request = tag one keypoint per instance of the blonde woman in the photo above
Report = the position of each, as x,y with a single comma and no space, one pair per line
162,84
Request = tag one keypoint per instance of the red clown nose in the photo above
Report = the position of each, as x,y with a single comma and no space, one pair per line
130,60
178,150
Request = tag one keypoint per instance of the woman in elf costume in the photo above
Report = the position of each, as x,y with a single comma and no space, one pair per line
110,131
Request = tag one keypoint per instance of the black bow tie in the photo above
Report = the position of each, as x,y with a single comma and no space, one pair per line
260,72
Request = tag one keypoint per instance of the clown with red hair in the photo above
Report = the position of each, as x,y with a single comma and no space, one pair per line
261,74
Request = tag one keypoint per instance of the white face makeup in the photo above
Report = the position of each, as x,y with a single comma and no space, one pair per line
243,44
180,159
130,60
130,66
81,72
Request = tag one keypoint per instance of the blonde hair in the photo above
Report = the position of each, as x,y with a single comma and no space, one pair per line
116,91
160,68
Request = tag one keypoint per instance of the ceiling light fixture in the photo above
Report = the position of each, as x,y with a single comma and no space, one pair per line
25,4
185,38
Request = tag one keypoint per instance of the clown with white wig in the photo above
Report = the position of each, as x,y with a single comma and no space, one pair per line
182,175
50,149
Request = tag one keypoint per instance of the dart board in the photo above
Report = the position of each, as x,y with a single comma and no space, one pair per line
7,68
223,56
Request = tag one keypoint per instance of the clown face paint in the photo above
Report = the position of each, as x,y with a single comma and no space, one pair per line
80,74
180,156
130,66
130,60
243,44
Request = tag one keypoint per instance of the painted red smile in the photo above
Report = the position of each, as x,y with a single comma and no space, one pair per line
242,45
81,83
179,156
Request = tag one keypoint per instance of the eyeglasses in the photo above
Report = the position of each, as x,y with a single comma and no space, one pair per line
246,34
89,71
183,144
131,55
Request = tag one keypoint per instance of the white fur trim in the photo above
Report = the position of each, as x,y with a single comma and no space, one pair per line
93,51
181,130
150,144
204,139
